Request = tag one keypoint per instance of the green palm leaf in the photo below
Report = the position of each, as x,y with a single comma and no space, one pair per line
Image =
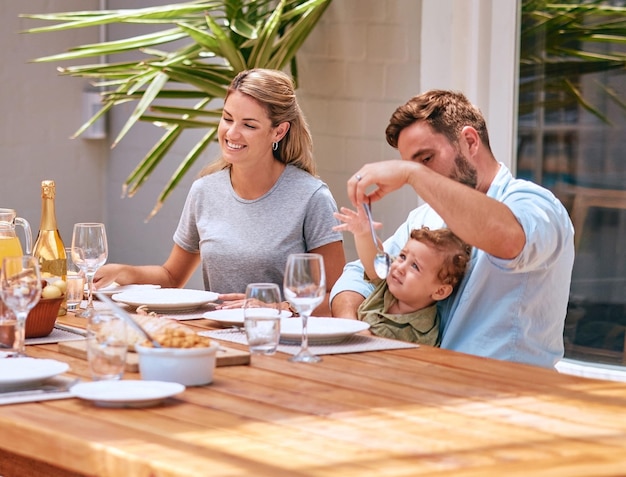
151,92
141,173
263,46
220,38
184,167
558,51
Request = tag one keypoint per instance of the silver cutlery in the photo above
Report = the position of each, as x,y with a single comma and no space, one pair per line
382,261
43,389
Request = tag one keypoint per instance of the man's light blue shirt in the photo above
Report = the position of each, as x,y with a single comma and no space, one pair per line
511,310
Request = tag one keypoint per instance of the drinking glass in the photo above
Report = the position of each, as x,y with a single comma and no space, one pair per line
106,345
261,313
89,252
305,287
20,287
75,283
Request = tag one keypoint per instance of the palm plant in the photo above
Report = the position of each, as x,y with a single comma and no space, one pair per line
176,89
561,43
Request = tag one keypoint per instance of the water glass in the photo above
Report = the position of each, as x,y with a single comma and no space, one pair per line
20,289
75,283
261,312
106,345
9,334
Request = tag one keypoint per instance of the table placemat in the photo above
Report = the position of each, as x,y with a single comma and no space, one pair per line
56,336
352,344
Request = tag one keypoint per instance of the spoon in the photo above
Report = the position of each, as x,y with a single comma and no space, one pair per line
105,299
382,262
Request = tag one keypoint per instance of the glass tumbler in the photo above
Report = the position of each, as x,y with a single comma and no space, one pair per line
106,345
261,312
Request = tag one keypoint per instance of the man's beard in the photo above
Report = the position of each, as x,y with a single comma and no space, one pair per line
464,172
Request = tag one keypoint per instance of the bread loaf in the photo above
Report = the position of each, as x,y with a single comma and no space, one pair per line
169,333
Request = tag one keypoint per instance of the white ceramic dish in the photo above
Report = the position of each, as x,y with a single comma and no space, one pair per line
320,330
166,299
28,371
188,366
233,316
126,393
114,288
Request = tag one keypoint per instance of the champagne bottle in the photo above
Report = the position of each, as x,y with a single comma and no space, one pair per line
49,248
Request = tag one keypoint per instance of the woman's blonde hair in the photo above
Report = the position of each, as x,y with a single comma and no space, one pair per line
275,92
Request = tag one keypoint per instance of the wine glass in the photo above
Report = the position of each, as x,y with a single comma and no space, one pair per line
304,287
89,252
20,285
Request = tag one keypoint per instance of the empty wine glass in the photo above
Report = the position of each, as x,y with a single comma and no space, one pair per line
89,252
20,286
304,287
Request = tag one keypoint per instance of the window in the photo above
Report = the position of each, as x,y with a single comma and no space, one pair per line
572,140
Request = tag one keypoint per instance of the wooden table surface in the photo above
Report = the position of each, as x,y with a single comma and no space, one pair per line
412,412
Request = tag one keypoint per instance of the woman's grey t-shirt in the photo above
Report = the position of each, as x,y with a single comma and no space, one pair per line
246,241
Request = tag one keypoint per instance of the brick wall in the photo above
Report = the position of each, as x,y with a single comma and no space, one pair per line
360,63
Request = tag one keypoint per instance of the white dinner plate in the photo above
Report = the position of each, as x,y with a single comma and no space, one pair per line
233,316
126,393
113,288
28,371
166,299
320,330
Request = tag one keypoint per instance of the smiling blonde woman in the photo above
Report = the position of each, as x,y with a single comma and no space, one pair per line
258,203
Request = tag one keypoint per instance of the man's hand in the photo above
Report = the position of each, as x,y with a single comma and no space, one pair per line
387,176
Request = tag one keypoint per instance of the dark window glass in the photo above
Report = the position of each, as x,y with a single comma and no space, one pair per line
572,140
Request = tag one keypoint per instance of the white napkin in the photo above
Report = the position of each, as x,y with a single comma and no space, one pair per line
56,336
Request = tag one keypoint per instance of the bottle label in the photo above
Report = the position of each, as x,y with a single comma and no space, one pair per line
53,268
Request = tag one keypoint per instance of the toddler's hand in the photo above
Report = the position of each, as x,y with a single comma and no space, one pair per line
355,222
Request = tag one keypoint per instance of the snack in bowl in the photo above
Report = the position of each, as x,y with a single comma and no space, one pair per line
185,357
43,316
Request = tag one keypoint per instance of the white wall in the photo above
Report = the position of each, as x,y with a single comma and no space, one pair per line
365,58
40,111
471,46
361,62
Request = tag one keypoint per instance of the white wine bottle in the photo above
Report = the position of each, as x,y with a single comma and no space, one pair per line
49,248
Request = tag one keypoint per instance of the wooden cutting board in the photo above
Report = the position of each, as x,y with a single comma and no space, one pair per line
225,356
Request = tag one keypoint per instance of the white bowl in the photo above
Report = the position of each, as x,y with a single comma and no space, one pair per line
188,366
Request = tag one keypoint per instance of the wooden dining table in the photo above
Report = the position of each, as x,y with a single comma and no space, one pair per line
410,412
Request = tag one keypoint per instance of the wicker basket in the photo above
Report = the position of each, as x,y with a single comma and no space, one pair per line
42,317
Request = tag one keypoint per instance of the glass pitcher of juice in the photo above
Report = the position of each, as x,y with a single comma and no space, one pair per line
10,245
9,241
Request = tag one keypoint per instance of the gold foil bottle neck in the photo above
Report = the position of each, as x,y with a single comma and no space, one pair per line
48,189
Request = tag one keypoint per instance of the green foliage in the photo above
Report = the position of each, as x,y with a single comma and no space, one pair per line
561,43
208,42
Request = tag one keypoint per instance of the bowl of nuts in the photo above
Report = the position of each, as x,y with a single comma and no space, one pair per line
184,357
43,316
